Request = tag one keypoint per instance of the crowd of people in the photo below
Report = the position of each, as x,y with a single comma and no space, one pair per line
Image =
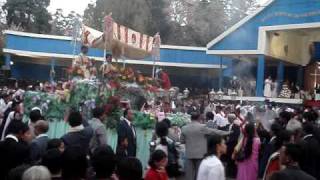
245,142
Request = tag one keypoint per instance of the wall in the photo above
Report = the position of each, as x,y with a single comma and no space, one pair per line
30,71
293,41
297,41
308,40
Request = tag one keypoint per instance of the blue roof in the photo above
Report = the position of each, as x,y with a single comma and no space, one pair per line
64,46
45,45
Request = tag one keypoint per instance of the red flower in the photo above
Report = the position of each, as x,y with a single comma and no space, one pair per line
114,85
108,109
114,100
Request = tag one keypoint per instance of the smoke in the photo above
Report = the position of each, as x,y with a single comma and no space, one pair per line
244,70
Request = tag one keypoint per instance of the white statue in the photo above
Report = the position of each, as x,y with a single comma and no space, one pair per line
285,92
274,93
267,87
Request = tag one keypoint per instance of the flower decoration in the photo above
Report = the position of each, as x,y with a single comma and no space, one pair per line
143,120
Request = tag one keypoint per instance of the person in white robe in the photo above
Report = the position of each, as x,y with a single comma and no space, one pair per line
267,87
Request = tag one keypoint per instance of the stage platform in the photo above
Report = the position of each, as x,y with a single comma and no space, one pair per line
262,99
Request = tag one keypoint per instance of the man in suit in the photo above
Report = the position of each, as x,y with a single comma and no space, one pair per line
310,161
99,129
289,156
127,144
13,150
40,143
194,137
232,141
270,147
80,132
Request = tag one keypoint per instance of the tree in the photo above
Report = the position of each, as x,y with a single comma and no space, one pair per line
180,11
64,25
134,14
238,9
158,21
31,15
2,28
209,20
180,22
146,16
58,24
93,16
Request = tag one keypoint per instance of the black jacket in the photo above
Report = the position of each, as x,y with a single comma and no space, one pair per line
12,154
267,151
233,138
38,148
310,160
291,173
126,132
79,138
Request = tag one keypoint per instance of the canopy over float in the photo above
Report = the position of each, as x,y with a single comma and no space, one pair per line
120,40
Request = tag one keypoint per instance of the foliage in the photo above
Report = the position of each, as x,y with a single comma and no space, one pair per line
83,96
82,93
64,24
205,22
31,15
238,9
180,22
44,101
134,14
159,21
144,121
113,118
179,119
148,17
135,95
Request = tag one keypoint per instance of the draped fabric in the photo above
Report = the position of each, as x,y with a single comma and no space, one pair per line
118,39
59,128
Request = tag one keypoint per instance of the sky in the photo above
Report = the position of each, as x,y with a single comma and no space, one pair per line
80,5
69,5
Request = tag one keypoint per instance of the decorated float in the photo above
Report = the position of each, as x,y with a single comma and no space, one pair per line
112,86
